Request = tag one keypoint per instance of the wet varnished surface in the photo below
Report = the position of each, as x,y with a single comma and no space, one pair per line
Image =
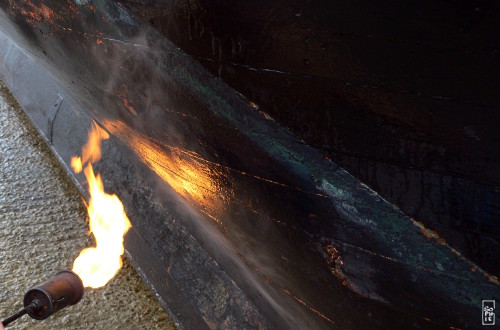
402,95
306,242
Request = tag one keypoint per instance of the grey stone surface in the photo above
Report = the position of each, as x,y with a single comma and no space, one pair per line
43,228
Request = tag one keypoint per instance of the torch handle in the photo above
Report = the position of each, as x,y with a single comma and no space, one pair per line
15,316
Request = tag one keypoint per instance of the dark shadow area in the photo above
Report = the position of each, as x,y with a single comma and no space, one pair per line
403,96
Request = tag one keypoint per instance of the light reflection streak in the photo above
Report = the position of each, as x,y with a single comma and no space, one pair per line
189,177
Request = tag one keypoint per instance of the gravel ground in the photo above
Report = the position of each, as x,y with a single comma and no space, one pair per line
43,228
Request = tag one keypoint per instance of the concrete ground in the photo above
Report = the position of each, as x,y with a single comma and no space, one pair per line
43,228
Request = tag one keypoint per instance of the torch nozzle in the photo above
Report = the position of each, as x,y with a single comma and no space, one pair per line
61,290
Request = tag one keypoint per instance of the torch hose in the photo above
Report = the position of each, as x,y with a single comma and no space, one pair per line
20,313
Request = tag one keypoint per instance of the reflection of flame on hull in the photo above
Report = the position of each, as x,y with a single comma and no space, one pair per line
185,173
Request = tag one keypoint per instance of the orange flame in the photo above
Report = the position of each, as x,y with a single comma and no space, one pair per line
108,220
